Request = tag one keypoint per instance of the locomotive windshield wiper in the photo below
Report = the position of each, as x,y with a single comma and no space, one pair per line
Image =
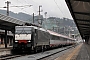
23,32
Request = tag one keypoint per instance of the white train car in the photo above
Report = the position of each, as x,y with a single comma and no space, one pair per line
59,40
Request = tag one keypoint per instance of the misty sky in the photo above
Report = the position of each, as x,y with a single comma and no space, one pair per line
55,8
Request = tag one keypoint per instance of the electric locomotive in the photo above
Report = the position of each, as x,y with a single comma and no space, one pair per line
30,38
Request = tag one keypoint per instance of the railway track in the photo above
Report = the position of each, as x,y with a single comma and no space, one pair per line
37,56
57,54
9,56
51,55
44,55
4,51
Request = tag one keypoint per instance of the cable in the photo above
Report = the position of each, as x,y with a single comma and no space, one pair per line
19,1
63,9
59,8
35,2
26,1
22,6
21,9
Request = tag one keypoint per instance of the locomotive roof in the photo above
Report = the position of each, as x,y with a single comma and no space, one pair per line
42,29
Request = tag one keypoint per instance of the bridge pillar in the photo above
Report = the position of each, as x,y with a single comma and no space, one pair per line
5,39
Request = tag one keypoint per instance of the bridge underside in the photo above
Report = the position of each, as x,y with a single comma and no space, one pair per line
80,11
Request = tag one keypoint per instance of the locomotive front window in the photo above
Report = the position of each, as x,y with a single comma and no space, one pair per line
23,30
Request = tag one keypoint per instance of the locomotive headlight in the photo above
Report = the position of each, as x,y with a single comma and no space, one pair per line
29,41
16,41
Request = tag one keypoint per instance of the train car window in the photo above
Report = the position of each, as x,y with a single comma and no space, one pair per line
60,38
52,37
56,37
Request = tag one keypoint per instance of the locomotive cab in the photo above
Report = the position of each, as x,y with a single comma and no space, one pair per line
22,37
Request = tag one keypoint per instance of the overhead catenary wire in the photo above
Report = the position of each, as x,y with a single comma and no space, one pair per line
59,8
35,2
65,13
16,7
26,2
20,8
20,2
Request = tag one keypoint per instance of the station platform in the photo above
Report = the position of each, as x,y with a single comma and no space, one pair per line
2,46
80,52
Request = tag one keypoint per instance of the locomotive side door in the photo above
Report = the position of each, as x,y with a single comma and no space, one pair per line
34,37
